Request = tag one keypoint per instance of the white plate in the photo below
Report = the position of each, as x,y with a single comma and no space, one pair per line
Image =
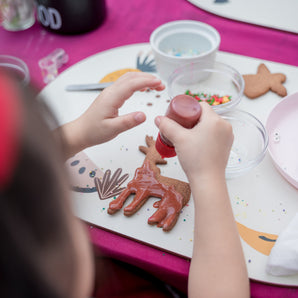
276,14
263,202
282,128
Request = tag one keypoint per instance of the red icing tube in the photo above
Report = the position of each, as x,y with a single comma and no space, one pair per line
186,111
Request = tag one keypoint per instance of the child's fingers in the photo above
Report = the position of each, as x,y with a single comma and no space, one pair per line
207,112
125,86
126,122
136,83
170,129
173,131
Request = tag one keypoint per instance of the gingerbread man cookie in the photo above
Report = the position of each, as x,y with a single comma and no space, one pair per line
260,83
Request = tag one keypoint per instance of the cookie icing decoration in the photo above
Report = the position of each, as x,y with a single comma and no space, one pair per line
148,182
260,83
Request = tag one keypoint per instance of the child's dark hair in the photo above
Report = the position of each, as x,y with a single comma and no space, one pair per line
33,228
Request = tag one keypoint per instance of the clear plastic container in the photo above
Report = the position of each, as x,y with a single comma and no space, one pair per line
17,15
250,143
220,79
16,67
250,136
182,42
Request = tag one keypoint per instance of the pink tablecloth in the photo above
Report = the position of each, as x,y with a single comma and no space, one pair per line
131,22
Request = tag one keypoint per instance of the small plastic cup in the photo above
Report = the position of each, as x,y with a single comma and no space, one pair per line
50,64
220,79
16,67
178,43
17,15
250,143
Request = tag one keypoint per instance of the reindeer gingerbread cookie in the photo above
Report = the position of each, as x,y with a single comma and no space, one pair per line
148,182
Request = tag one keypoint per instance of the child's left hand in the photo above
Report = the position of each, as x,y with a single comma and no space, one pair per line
101,121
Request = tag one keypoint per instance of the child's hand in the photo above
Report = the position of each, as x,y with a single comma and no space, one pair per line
101,121
203,150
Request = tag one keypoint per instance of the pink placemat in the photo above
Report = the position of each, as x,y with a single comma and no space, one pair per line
133,21
130,22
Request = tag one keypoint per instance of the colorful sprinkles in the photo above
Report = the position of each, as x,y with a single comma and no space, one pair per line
183,53
212,99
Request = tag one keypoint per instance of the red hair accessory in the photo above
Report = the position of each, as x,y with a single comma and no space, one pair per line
10,123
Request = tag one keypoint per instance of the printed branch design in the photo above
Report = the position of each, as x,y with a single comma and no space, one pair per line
110,186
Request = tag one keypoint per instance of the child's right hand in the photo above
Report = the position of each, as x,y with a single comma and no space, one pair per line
203,151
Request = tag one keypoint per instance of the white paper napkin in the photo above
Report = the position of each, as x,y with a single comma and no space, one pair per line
283,259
